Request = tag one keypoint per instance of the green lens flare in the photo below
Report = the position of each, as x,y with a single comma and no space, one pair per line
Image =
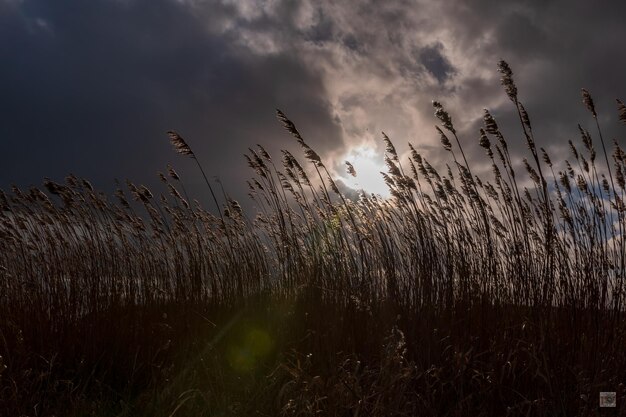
253,347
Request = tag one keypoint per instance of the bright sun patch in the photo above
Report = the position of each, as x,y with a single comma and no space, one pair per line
368,164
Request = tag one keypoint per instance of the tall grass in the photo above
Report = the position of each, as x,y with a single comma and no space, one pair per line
458,295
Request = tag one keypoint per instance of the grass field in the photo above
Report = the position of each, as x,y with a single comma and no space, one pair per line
458,295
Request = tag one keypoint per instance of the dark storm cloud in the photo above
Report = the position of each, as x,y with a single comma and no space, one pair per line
555,49
437,64
90,87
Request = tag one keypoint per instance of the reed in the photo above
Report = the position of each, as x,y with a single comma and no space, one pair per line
458,295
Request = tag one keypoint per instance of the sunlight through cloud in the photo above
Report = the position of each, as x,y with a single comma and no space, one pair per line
368,164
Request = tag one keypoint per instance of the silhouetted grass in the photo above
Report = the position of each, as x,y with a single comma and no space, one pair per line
458,295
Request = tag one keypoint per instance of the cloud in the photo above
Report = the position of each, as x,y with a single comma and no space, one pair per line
95,94
91,88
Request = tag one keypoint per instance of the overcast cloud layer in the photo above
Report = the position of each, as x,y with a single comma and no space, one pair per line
90,87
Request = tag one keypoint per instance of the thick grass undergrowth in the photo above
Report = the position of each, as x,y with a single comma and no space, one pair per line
459,295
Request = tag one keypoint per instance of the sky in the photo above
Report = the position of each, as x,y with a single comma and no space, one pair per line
91,87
